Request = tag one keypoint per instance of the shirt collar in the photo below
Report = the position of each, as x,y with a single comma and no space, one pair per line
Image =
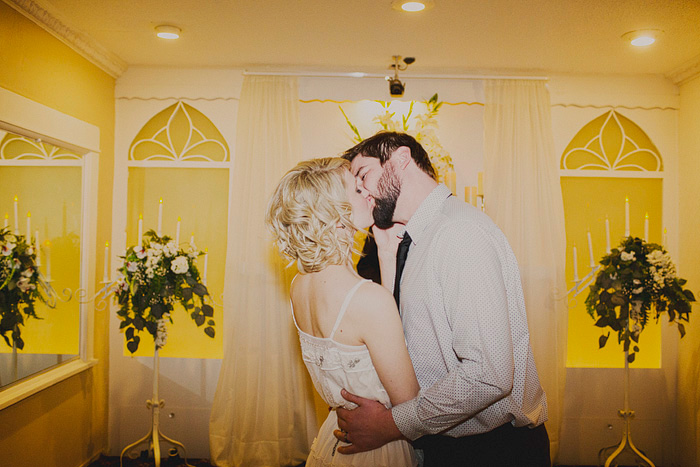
426,212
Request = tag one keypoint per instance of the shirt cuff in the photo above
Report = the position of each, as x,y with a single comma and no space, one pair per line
406,418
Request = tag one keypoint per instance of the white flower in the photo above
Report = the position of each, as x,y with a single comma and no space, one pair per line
180,265
132,266
627,256
162,332
140,252
23,284
28,272
638,290
7,248
170,249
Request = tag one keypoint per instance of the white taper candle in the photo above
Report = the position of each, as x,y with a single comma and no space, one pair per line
607,234
206,263
38,248
590,250
16,216
139,239
575,265
646,227
160,216
627,217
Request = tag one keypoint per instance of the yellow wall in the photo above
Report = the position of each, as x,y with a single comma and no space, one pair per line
66,424
689,267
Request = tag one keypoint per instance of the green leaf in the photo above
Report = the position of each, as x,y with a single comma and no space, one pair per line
602,340
129,333
207,310
209,331
125,323
635,348
139,323
152,327
199,319
20,343
630,357
158,309
211,322
186,294
681,328
618,299
626,345
133,346
190,281
689,295
602,322
200,289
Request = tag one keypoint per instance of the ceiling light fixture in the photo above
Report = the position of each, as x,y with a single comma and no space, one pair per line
413,5
642,37
165,31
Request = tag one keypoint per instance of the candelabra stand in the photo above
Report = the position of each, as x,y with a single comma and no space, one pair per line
154,435
626,443
581,284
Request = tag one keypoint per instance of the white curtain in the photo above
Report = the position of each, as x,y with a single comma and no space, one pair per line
523,196
263,412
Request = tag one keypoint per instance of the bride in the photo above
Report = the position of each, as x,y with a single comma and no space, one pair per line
349,328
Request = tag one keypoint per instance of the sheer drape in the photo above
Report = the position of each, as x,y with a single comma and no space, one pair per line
523,196
263,411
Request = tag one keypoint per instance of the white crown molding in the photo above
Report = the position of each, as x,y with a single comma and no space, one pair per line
77,40
685,72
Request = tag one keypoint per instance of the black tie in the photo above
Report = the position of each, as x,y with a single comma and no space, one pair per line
401,255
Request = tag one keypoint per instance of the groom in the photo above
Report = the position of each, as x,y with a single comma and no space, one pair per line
463,311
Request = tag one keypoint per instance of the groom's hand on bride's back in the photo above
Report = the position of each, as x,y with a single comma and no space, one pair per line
369,426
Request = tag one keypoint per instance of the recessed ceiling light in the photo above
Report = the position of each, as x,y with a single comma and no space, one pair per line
411,6
642,37
165,31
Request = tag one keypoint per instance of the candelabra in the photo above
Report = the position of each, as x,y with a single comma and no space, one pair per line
626,444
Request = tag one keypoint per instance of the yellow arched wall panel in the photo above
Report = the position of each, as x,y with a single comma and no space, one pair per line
587,203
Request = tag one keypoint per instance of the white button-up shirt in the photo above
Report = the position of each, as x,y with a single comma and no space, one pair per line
464,319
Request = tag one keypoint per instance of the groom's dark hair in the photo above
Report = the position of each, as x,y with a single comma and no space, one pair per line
382,144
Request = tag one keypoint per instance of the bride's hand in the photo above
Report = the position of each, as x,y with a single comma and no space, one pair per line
388,239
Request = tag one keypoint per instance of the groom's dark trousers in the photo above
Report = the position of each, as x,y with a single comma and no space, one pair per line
504,446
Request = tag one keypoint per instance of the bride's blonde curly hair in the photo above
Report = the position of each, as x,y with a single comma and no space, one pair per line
310,215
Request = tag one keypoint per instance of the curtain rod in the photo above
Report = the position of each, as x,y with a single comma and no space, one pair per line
311,74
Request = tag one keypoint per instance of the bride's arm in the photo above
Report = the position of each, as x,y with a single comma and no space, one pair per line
387,243
382,333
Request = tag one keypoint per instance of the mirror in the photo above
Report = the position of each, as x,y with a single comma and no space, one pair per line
48,202
43,204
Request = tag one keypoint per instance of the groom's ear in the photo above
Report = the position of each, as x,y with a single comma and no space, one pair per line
403,157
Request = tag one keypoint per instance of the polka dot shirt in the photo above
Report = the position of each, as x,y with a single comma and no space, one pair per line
464,319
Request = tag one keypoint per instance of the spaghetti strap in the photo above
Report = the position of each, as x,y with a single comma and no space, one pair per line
291,304
344,307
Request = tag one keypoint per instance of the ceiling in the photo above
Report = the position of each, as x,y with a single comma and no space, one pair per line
454,37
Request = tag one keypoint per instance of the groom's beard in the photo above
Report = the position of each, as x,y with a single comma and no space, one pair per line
389,189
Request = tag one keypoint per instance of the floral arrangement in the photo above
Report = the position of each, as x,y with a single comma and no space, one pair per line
154,276
20,286
637,281
424,131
